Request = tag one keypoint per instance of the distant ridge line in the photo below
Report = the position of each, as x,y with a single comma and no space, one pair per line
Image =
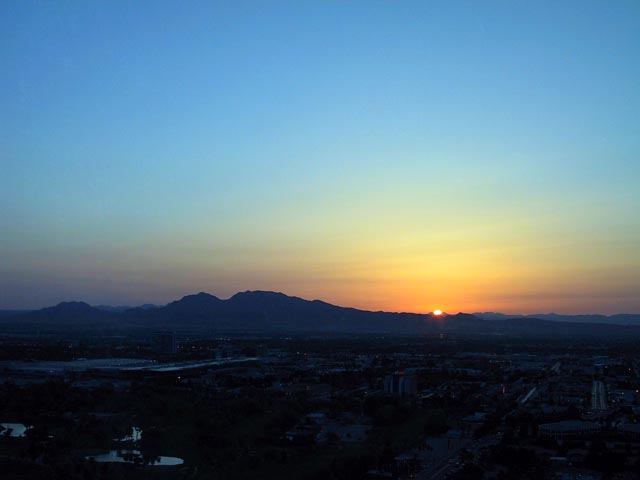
277,312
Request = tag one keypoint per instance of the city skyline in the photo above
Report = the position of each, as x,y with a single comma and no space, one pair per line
383,156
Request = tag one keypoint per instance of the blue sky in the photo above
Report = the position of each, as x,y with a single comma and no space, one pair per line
393,155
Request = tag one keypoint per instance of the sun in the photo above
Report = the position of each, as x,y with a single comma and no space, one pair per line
437,312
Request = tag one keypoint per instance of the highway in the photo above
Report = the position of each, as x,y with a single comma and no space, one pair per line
436,458
449,463
528,395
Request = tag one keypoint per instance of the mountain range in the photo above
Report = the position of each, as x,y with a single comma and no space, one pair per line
263,311
618,319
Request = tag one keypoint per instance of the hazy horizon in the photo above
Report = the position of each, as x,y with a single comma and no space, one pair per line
385,156
227,297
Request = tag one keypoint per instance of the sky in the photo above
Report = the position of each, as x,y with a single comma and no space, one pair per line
387,155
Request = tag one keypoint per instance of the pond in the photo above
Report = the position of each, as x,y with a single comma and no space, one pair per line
134,456
13,429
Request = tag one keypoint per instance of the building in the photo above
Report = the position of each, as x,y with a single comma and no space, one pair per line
630,430
568,429
401,384
165,342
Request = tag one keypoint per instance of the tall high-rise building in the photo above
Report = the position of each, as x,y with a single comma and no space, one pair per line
165,342
401,384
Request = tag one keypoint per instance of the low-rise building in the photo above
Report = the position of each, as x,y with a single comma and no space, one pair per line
568,429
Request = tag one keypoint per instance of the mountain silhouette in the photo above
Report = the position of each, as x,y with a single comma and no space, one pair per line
256,311
262,310
122,308
67,313
618,319
274,312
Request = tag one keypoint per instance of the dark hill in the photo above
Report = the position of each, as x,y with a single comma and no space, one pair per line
272,312
67,313
619,319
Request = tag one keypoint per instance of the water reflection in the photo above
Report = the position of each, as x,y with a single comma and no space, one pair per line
13,429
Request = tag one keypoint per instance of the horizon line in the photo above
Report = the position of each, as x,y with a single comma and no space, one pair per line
485,312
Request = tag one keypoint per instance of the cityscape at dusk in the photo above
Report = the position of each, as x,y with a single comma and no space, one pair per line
320,240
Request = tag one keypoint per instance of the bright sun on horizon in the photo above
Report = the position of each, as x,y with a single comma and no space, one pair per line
437,312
